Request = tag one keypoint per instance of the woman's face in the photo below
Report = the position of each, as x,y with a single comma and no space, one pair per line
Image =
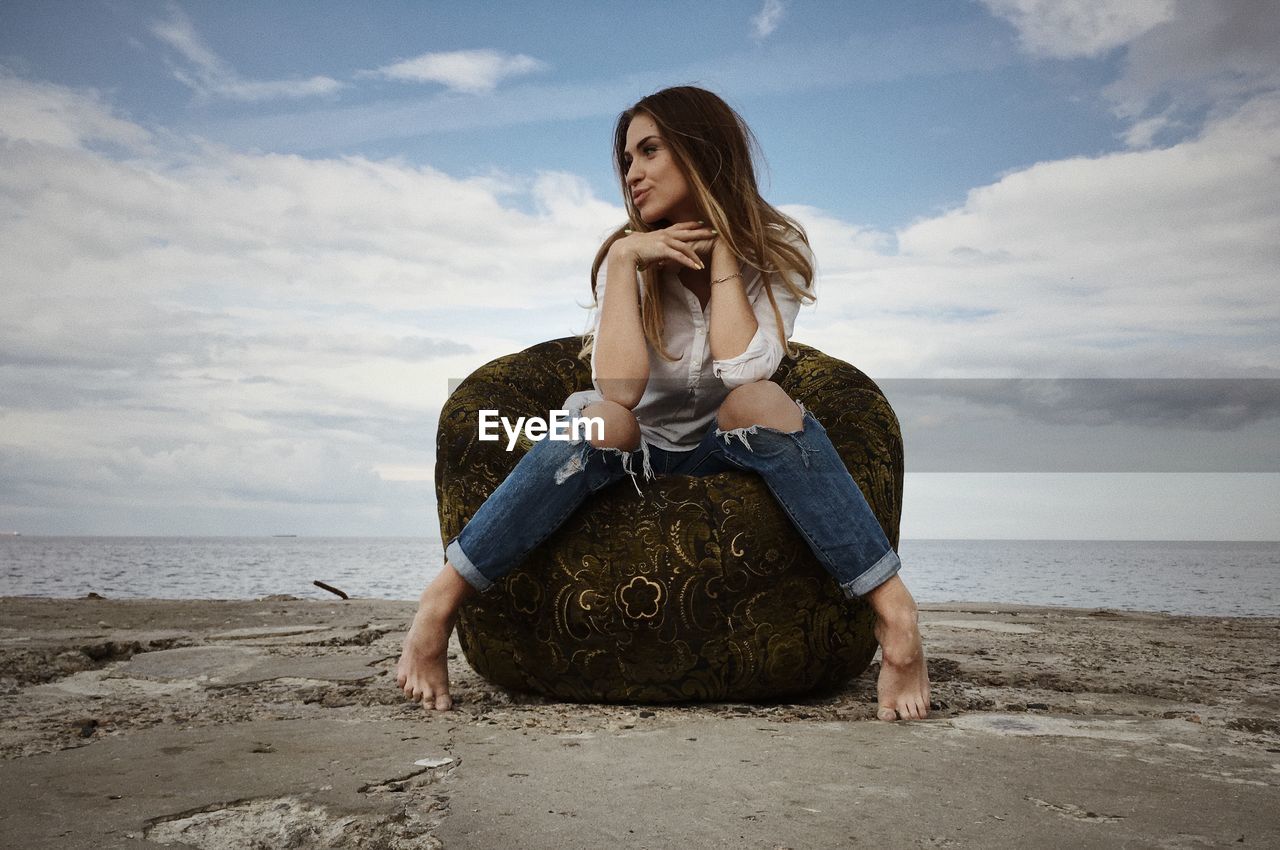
658,187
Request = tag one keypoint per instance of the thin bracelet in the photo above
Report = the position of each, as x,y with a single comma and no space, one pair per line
727,277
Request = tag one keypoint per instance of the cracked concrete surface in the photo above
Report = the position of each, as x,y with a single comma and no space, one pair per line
276,723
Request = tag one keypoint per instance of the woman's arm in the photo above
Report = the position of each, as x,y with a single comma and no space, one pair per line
733,323
760,357
620,357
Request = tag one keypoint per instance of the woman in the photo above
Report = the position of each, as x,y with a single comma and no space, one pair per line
688,331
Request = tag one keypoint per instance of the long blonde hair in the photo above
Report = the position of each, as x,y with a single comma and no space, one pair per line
713,146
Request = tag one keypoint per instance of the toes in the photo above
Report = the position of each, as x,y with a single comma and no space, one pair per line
444,702
886,713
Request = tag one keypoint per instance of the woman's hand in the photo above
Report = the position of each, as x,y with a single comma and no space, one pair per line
689,243
706,248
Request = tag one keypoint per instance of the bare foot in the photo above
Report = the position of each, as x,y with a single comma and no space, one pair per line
903,686
423,669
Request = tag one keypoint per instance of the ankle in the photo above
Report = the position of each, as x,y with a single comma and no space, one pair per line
432,607
447,589
893,603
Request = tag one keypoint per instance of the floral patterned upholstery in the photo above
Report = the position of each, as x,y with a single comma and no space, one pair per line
699,589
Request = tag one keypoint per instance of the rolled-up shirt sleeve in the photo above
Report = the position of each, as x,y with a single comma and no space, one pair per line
764,353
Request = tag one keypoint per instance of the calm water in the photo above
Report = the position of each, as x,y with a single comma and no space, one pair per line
1213,578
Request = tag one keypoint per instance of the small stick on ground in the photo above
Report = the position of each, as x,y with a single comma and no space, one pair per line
330,588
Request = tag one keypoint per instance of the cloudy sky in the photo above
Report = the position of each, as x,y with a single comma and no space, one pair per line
245,246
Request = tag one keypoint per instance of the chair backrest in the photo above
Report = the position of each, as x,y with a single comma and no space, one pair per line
851,407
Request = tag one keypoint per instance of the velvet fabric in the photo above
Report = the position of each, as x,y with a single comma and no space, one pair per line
692,589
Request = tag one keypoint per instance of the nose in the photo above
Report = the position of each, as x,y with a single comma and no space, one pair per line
634,173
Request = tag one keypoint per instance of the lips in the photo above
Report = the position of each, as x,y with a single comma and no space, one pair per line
639,196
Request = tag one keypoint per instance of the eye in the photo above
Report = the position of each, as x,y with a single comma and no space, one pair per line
650,148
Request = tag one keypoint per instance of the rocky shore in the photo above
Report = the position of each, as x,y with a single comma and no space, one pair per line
276,723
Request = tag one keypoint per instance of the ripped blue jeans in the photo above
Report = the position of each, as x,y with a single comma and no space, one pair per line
801,469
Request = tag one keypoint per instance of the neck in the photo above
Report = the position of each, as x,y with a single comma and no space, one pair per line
693,278
689,213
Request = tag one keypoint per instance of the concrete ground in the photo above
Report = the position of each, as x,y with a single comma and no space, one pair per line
276,723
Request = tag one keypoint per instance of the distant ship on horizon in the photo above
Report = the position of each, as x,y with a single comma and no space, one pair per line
284,535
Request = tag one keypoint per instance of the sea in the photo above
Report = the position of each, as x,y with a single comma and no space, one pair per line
1211,578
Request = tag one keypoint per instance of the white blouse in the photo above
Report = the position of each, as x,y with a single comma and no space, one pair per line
682,397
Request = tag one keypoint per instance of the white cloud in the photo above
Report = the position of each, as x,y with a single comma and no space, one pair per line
467,71
1047,506
933,50
1182,58
57,116
392,472
240,333
1213,53
764,22
1068,28
1157,262
1141,134
200,327
209,76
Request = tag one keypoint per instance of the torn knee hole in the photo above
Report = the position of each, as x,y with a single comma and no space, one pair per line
740,433
615,448
571,467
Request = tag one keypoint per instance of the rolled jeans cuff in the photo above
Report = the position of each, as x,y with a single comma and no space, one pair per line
454,554
879,572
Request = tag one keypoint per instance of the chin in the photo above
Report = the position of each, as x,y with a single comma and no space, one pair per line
653,215
656,219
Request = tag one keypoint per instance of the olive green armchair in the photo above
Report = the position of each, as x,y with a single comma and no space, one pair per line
692,589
